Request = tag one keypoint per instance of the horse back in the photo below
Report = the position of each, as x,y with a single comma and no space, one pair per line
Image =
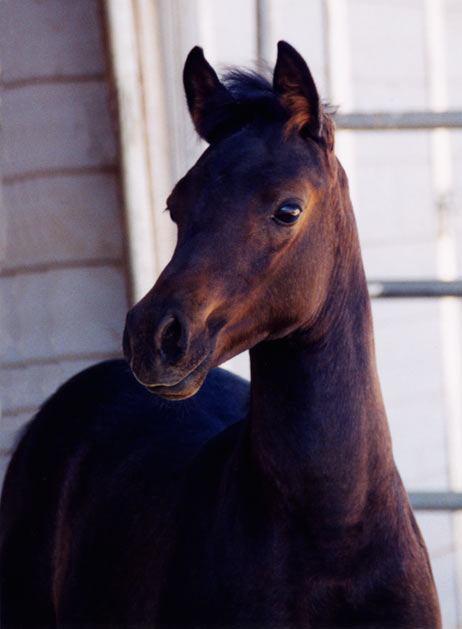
100,466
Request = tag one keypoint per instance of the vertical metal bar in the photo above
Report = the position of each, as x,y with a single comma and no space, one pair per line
136,183
338,74
155,127
450,320
264,29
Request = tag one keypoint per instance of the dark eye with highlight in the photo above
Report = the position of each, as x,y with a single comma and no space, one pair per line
287,214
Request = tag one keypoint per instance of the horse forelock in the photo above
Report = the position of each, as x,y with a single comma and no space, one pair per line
255,101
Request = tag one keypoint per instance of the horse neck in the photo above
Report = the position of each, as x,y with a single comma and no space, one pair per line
318,430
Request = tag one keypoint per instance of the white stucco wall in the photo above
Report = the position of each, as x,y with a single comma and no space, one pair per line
62,276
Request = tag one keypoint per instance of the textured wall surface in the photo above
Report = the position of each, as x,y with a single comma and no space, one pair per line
62,277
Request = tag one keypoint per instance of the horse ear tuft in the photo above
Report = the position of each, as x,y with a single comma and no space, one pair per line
204,92
294,86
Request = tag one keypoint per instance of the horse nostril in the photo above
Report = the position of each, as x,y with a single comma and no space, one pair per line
171,339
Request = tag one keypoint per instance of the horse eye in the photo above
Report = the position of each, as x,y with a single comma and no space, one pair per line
287,214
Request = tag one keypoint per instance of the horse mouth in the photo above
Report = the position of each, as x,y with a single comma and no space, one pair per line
184,388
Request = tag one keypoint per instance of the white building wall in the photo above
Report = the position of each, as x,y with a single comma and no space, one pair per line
62,278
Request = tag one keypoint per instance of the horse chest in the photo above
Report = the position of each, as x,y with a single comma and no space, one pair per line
239,567
232,578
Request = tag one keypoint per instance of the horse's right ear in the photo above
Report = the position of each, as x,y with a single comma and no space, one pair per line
205,95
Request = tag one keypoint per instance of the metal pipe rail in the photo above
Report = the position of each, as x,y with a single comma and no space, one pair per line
414,288
436,500
410,120
422,500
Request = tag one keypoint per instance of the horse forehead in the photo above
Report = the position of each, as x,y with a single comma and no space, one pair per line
243,169
248,166
246,152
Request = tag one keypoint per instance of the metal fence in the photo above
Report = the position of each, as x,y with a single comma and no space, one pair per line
414,288
422,501
412,120
400,120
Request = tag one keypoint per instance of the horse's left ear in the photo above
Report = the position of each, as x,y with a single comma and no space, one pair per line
207,98
297,93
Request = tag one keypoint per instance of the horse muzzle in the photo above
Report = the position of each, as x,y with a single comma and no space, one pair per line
164,353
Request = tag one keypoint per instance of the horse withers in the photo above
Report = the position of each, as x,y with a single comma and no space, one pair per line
163,491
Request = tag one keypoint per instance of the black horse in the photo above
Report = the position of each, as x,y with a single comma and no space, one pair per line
172,494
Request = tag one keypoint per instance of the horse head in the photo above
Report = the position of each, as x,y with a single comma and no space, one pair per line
256,228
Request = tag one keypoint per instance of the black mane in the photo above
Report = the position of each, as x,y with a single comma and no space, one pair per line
252,90
249,98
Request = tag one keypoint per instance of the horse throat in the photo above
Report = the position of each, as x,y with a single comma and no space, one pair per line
318,430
